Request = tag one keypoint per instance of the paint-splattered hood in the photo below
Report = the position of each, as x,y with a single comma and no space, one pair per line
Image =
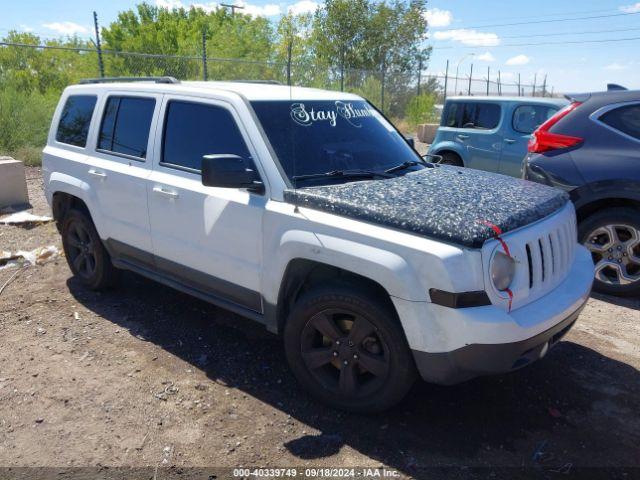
445,203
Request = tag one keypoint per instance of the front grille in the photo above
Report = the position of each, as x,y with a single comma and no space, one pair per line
550,254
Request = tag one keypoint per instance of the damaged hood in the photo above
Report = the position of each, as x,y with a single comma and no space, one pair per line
446,203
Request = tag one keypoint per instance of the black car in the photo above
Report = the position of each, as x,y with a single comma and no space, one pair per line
591,149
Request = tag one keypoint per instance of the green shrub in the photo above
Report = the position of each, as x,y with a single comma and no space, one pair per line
421,109
24,122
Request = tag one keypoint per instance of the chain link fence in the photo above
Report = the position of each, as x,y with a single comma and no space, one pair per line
389,90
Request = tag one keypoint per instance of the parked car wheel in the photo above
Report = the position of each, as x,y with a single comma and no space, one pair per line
449,158
87,258
613,237
348,349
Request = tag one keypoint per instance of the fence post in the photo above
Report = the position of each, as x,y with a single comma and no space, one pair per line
470,76
98,45
289,49
446,80
342,70
544,86
382,85
519,87
488,75
535,80
419,72
499,85
204,54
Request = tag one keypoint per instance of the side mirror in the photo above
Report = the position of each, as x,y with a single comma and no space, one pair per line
411,142
229,171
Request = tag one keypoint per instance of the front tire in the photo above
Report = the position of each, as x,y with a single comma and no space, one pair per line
87,258
449,158
613,238
347,348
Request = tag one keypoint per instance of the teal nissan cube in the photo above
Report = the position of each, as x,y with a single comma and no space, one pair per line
491,133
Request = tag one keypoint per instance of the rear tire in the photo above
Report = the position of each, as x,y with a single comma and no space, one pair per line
612,236
360,361
449,158
87,258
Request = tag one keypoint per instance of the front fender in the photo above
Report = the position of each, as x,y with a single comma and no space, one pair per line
449,146
386,268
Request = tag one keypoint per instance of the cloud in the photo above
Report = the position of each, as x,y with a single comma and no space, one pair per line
486,57
268,10
438,18
519,60
302,7
635,8
616,66
169,4
66,28
469,37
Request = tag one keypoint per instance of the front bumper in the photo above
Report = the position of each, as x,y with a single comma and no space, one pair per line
449,368
451,345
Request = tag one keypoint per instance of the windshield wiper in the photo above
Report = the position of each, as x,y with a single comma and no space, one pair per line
344,174
403,166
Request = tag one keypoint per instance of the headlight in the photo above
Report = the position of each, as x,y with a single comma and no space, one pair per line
503,269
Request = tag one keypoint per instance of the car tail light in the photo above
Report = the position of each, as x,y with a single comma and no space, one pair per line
543,140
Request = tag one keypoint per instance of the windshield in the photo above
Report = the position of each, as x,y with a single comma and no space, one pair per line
311,138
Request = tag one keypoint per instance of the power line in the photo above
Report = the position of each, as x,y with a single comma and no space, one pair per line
563,34
548,21
604,40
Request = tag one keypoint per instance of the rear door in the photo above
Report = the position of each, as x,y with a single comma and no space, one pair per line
117,171
521,120
479,133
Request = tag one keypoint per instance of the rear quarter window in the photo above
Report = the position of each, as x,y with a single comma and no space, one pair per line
527,118
624,119
75,119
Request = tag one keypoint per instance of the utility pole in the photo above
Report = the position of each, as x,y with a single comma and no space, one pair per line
204,54
98,46
470,77
232,7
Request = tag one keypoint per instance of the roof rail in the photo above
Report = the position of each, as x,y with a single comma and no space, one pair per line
265,82
614,87
86,81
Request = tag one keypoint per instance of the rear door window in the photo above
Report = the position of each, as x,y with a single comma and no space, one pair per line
125,126
624,119
192,130
527,118
75,119
481,115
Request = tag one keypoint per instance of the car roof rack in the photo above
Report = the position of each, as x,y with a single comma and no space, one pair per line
264,82
86,81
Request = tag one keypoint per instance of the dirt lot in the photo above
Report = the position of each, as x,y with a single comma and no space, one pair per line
146,376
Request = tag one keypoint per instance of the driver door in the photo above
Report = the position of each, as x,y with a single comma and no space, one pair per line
206,238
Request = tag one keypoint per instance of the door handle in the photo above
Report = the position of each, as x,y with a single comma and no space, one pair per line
462,136
509,140
166,193
97,173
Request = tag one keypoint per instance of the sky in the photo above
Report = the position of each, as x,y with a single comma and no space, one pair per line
568,41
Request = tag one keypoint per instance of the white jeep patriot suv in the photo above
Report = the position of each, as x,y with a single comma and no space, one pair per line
307,211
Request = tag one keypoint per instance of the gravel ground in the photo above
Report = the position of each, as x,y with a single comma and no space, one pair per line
144,376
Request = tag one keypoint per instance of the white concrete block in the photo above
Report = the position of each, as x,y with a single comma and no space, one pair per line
13,183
